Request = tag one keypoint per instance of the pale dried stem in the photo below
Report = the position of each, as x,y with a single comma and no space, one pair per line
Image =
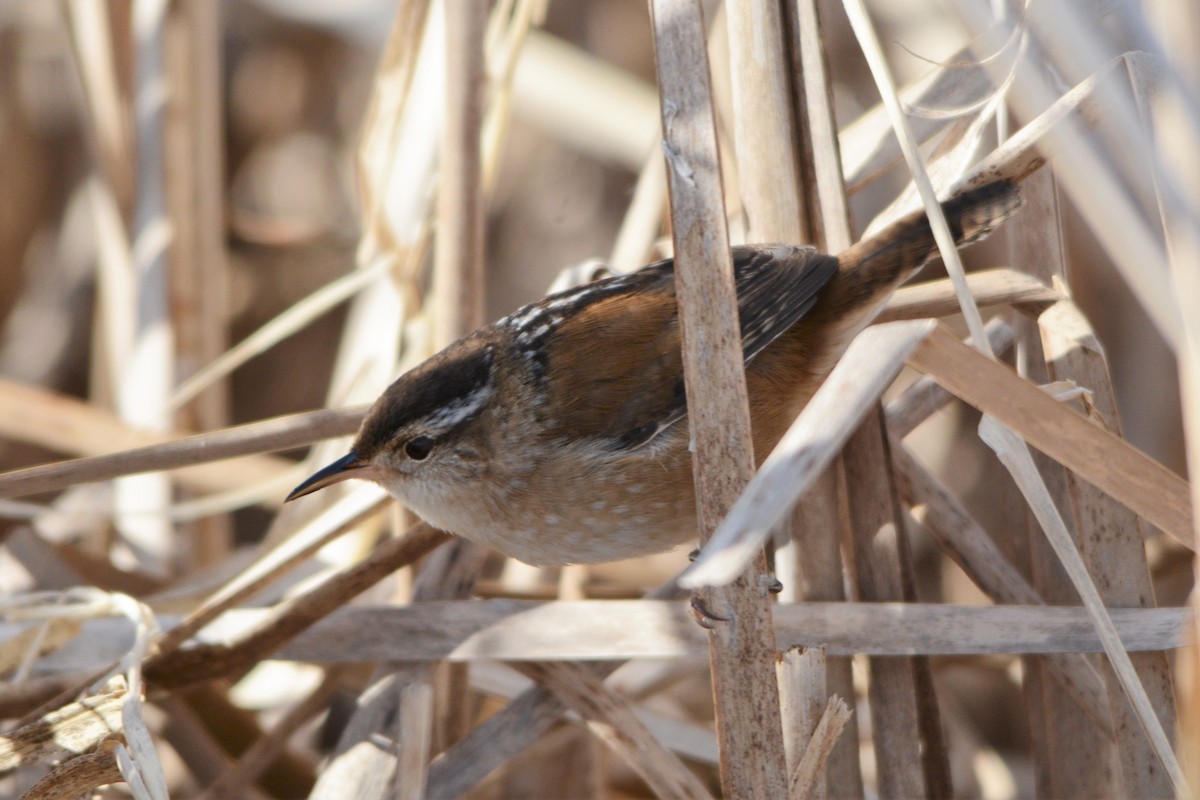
605,630
279,433
742,646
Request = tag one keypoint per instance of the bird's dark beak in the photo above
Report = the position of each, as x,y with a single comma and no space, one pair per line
346,467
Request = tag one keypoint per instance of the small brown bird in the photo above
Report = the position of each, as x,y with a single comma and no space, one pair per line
559,434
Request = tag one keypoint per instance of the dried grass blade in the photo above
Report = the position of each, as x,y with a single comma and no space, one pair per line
73,728
1012,453
864,32
870,364
924,397
78,777
1089,174
1104,460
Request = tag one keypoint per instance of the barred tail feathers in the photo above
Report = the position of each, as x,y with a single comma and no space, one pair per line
878,264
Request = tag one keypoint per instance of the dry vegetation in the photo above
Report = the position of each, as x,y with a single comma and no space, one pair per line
215,220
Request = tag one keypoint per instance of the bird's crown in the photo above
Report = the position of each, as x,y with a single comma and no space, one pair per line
433,399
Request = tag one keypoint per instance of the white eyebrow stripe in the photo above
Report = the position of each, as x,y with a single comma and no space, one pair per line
458,411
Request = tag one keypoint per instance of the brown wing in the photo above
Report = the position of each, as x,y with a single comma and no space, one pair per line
615,368
615,372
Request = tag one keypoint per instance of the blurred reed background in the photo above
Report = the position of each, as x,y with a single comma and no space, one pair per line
182,176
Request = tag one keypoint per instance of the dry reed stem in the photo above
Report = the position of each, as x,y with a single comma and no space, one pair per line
1112,540
606,630
936,298
142,364
109,112
742,648
821,163
909,761
764,134
198,280
416,733
1085,763
813,554
278,433
1043,506
459,258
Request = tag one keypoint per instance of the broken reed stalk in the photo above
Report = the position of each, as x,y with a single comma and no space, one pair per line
742,643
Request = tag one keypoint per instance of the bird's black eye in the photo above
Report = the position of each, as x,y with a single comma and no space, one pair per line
418,448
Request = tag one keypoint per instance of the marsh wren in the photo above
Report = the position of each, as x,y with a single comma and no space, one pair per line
559,434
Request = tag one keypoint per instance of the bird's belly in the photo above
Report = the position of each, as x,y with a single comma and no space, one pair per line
595,511
595,531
